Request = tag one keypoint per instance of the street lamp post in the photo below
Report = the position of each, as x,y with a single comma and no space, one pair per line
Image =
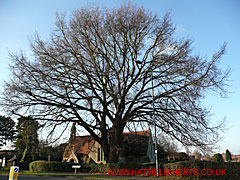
154,121
153,116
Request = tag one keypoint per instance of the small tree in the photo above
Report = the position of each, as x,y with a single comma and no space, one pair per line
166,145
228,156
6,130
217,157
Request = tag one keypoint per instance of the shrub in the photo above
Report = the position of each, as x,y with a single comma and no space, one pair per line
52,166
217,157
93,168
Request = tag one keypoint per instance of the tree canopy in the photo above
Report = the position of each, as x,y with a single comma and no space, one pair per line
217,157
98,69
7,130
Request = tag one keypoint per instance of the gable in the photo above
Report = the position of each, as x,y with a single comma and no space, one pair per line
80,145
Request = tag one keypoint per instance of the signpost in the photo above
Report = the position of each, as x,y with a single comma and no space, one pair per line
76,167
14,170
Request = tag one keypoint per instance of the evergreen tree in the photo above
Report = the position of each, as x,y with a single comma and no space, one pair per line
6,130
27,138
73,133
228,156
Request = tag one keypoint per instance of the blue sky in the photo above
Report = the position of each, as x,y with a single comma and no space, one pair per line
209,22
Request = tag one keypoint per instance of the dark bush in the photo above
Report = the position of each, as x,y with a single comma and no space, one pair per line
54,152
23,165
93,168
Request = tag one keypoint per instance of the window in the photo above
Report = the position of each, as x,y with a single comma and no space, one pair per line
99,154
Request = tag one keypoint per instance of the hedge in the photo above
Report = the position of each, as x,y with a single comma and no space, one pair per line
53,166
231,169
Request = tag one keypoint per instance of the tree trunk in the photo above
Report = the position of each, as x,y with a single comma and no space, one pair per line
114,153
105,146
24,154
115,141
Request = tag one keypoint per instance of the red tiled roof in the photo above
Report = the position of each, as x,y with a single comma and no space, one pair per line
141,133
81,145
235,156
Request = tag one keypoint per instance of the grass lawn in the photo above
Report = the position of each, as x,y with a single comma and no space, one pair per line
66,175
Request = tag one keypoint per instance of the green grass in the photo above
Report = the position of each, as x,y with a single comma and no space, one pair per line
65,175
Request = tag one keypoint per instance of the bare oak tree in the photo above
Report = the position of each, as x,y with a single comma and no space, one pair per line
97,69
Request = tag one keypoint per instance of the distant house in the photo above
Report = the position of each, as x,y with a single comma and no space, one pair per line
235,158
137,147
9,156
178,156
206,158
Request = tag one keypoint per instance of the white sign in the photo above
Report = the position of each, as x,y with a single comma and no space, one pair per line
13,175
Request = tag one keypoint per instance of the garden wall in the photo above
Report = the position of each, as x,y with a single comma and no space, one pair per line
203,170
